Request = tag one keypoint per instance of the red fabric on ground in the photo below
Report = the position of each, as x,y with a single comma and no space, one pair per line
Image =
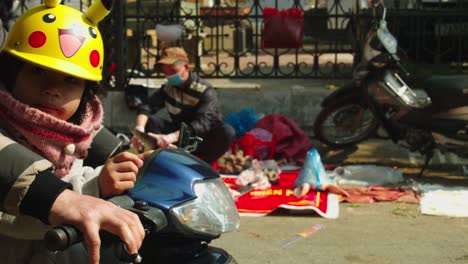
292,142
263,202
380,194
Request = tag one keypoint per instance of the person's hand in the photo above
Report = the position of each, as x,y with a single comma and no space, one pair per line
137,143
119,173
164,141
90,214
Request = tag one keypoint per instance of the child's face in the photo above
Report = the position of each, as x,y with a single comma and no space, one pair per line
51,92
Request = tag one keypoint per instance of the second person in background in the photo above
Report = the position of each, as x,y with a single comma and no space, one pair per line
189,99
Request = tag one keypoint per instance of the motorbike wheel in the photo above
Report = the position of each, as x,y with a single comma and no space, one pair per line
345,123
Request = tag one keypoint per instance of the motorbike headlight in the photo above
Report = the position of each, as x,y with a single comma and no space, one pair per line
213,211
404,92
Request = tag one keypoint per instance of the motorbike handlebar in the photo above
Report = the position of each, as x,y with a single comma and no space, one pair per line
62,237
402,69
390,59
153,219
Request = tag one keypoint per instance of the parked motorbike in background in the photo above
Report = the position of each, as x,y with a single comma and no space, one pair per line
434,116
182,204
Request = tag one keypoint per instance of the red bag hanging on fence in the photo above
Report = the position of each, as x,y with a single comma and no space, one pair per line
283,29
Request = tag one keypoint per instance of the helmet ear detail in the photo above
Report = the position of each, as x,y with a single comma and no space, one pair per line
51,3
98,10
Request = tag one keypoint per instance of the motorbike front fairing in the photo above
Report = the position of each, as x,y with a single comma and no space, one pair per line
197,205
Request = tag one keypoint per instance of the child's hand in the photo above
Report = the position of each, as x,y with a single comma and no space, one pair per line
119,173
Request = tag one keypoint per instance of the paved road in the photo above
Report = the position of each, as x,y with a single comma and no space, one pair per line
379,233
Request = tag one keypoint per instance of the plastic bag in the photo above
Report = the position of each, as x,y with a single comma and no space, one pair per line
242,121
260,134
366,175
254,177
169,33
283,29
313,172
271,169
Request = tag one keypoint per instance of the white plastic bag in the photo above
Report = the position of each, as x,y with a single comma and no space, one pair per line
254,177
169,33
442,200
445,203
366,175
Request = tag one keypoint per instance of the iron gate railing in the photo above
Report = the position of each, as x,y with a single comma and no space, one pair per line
223,37
225,40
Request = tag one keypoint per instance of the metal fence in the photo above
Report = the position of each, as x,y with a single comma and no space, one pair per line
224,37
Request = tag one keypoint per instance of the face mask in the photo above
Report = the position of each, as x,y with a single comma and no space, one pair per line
175,79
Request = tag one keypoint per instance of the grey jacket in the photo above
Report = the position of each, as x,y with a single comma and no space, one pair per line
29,188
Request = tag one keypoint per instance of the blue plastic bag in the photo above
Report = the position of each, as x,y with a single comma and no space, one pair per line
242,121
313,172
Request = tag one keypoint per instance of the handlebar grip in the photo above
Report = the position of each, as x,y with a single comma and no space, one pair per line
62,237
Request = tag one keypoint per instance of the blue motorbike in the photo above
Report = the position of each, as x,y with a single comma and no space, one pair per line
182,204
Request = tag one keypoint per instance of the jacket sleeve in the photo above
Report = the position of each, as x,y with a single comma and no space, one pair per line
84,180
154,104
208,114
27,184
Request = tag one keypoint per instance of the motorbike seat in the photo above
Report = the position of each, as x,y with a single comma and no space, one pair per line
447,91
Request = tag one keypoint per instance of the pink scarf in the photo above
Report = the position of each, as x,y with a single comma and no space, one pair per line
58,141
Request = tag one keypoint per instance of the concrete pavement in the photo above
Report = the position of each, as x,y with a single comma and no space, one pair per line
379,233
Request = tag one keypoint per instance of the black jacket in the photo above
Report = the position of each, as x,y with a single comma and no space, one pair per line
195,103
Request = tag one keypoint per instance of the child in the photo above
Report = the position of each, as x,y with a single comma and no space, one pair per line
51,64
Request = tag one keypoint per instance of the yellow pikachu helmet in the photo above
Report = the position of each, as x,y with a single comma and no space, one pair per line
61,38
